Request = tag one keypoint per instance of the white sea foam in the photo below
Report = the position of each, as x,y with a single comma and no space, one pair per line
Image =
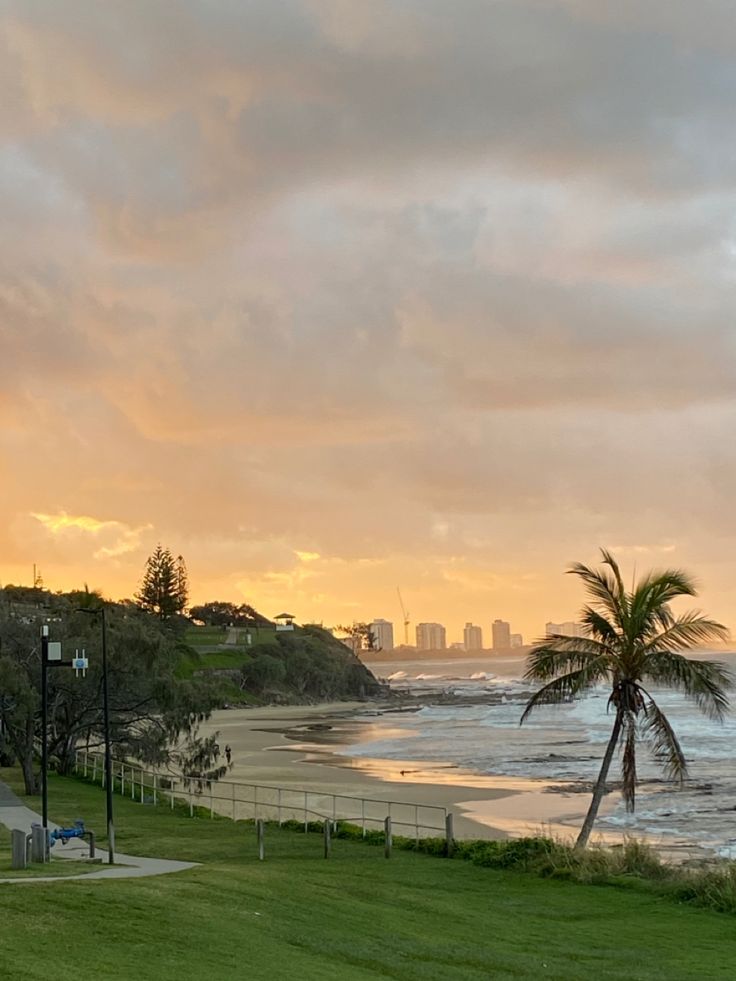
565,743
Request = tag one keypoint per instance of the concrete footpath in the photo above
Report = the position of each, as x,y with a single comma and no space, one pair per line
15,814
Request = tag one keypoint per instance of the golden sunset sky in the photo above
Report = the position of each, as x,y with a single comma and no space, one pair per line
332,296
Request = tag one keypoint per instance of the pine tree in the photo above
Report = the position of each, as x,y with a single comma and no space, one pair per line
182,584
164,589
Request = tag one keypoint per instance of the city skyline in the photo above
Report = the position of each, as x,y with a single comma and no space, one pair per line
310,294
433,635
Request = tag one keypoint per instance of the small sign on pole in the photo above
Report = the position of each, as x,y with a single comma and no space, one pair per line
54,651
80,664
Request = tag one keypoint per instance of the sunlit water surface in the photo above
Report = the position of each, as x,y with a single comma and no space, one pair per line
563,745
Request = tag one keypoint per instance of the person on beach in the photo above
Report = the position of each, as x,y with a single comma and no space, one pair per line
228,754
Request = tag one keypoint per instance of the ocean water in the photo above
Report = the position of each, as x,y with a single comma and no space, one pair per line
563,745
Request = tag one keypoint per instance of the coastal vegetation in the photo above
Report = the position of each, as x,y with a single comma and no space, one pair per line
164,590
166,675
633,642
354,917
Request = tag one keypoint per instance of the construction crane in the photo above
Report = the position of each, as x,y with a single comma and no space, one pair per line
406,618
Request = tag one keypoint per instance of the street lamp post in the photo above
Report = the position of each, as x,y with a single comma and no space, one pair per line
44,730
50,658
106,725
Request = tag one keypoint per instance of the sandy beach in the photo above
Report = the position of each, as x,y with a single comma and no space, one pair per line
293,747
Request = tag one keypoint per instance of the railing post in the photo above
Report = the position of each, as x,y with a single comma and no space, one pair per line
132,783
255,802
279,805
85,765
416,822
155,789
362,813
305,812
122,780
191,803
449,836
387,837
212,806
233,788
328,841
260,833
18,848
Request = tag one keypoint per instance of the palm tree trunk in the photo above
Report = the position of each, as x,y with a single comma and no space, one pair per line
600,786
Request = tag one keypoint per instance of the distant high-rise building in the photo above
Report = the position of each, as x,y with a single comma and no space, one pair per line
473,637
568,629
501,631
431,637
383,632
517,640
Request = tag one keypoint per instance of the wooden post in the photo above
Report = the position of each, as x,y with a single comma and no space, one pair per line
449,836
259,832
328,839
18,846
387,838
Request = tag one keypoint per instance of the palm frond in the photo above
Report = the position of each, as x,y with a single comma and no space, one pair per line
566,686
598,626
705,682
604,591
559,654
608,559
666,748
651,597
628,761
689,630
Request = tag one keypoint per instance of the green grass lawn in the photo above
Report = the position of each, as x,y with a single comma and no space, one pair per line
354,916
57,866
209,636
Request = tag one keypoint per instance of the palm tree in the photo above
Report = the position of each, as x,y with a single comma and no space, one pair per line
632,638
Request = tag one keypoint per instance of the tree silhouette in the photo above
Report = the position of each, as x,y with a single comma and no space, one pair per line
633,639
165,587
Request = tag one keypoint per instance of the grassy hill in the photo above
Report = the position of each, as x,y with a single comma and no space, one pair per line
353,917
305,665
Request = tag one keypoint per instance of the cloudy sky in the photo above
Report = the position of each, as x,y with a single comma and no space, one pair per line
332,296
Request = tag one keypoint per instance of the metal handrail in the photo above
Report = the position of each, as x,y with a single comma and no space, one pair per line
139,779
